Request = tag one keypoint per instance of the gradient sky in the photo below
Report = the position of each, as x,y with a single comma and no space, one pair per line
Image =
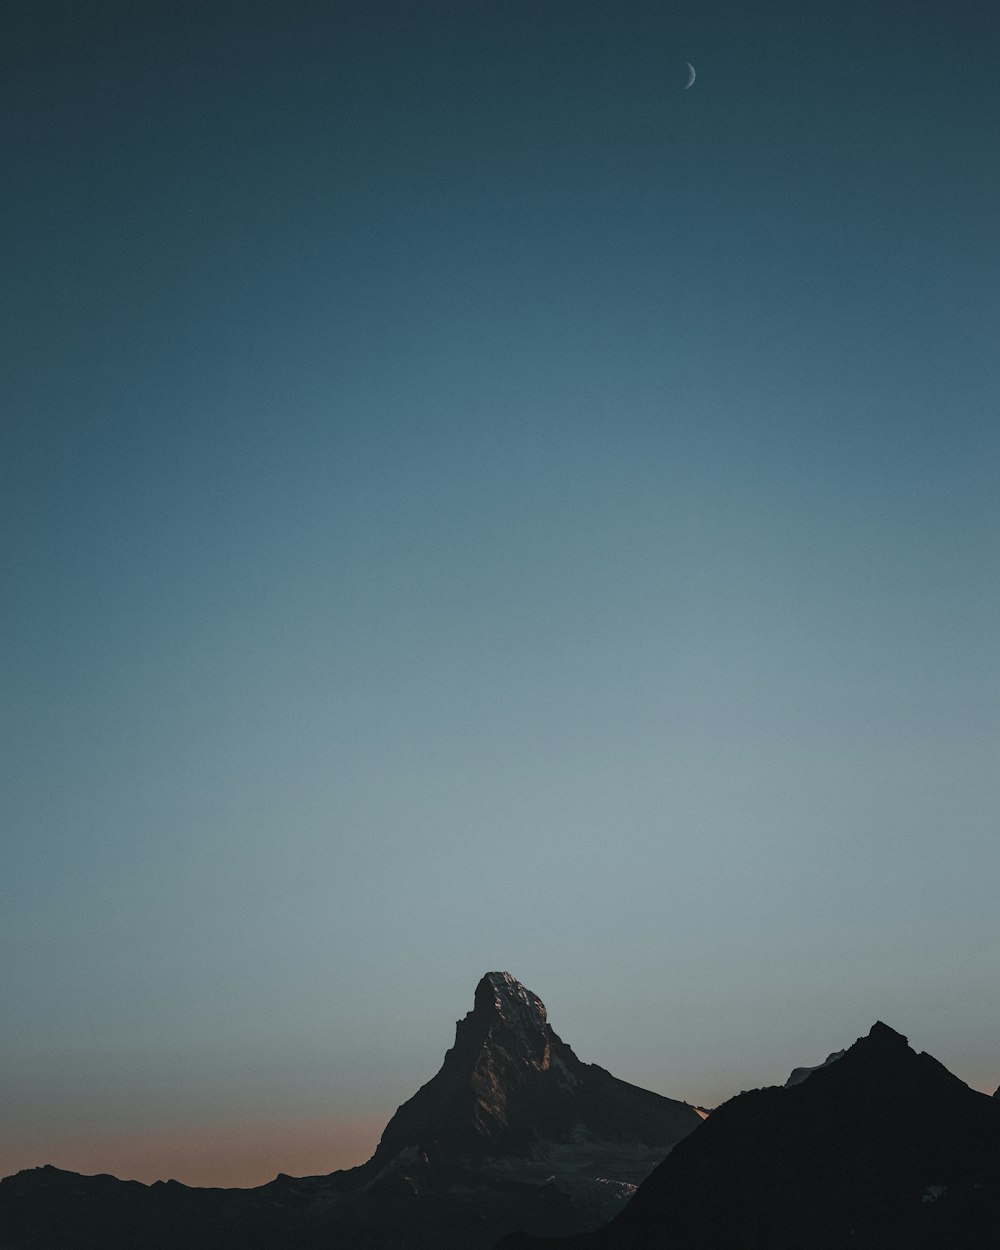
469,503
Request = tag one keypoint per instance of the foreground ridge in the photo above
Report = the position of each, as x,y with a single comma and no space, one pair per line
878,1148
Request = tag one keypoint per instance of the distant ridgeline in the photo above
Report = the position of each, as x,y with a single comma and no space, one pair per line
514,1132
516,1141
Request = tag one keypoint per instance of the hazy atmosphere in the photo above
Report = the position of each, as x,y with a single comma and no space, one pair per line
471,502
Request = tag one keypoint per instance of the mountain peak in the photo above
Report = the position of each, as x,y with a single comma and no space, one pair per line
510,1084
881,1035
501,996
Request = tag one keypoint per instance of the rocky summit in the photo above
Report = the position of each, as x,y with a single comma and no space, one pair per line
514,1132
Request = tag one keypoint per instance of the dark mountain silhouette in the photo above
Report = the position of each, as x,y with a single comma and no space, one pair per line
513,1132
882,1148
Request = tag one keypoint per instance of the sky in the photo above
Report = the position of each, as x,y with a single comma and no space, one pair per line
471,503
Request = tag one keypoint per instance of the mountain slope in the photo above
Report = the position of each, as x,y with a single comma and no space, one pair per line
798,1075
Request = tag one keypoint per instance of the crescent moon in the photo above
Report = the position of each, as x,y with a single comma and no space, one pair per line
691,75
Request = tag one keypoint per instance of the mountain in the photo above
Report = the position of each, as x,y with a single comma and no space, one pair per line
511,1089
514,1131
883,1148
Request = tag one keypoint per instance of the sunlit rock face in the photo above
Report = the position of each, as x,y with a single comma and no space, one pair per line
502,1001
879,1150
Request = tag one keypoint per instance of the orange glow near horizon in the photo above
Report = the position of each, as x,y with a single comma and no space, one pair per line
234,1155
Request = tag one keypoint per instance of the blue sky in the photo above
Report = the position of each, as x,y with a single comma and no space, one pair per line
469,503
